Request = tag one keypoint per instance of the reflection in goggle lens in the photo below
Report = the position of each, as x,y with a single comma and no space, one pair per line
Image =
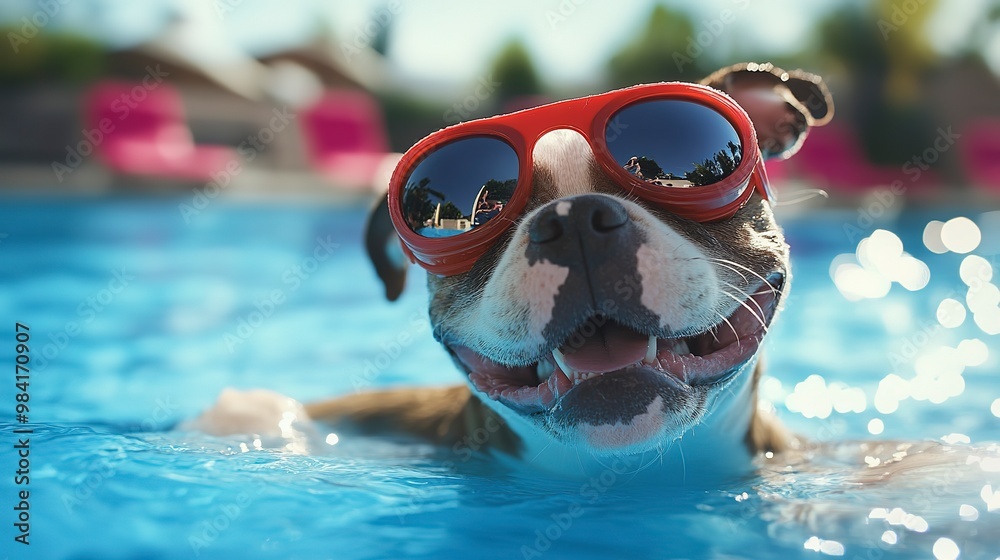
460,186
674,143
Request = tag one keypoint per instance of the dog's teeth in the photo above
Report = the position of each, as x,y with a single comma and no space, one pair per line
650,350
561,362
681,347
545,369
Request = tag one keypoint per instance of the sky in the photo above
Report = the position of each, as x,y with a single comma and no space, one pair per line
453,41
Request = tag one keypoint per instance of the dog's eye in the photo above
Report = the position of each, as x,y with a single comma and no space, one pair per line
674,143
460,186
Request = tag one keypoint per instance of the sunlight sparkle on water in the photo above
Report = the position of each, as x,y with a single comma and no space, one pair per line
991,498
879,251
856,282
956,438
995,408
891,390
939,376
813,398
988,321
983,297
960,235
899,517
975,269
950,313
945,549
876,426
889,537
932,237
968,513
987,464
879,261
831,548
973,351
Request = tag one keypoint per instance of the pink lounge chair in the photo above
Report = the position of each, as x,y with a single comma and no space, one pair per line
979,148
346,140
148,133
832,157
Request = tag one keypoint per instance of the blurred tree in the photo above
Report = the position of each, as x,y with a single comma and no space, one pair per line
514,72
500,191
666,49
892,118
904,33
384,16
450,212
48,57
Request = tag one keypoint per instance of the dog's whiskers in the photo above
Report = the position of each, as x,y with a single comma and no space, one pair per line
760,319
742,267
747,296
684,470
736,270
802,196
731,327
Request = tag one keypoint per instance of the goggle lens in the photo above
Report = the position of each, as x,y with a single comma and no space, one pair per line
673,143
459,186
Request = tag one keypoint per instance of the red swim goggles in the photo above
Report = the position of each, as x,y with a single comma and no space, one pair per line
686,148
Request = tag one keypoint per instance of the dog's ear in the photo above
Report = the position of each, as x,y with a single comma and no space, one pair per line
782,104
385,250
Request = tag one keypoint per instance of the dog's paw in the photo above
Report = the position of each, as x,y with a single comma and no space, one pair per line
275,419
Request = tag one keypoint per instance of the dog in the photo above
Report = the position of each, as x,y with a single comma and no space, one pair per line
598,324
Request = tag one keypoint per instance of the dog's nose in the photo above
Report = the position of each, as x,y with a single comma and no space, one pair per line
587,216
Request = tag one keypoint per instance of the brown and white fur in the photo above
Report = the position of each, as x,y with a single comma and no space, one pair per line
585,272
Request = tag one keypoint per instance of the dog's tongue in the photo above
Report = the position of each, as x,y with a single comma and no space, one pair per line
611,348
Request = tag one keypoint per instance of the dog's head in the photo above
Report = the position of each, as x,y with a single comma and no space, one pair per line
606,323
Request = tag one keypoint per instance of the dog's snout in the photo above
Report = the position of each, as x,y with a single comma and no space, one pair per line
586,215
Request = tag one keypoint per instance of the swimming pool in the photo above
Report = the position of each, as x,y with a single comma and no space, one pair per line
139,317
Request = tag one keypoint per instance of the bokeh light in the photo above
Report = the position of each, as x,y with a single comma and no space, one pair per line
960,235
975,269
967,512
945,549
932,237
879,260
973,351
950,313
876,426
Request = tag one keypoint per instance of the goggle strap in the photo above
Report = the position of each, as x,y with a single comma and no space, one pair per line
763,184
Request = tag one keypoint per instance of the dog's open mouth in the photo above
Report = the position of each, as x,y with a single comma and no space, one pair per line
603,346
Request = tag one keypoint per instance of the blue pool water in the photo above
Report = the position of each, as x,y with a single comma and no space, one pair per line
138,320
